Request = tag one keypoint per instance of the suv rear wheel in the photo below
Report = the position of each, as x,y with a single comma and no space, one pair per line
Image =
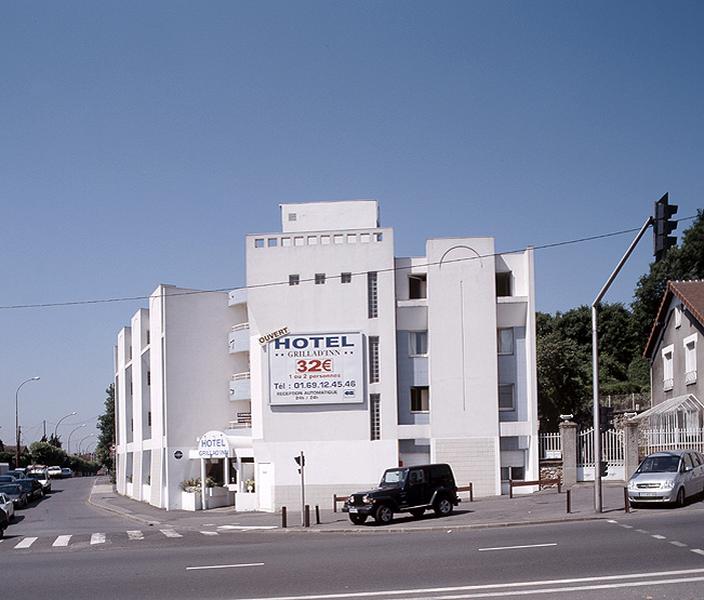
443,506
383,515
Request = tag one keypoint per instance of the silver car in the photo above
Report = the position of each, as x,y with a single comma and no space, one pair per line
670,477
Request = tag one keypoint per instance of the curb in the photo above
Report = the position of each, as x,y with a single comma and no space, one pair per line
117,511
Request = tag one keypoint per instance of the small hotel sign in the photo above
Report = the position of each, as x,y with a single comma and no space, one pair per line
213,445
265,339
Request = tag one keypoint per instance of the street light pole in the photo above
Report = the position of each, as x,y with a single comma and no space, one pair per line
61,419
17,420
68,445
83,440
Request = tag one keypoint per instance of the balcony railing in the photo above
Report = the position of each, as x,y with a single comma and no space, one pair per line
668,384
690,377
238,340
241,386
243,421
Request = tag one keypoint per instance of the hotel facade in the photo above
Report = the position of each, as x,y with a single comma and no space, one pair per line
337,349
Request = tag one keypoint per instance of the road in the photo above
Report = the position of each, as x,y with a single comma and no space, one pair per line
655,554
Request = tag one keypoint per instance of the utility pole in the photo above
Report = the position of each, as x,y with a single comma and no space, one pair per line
301,462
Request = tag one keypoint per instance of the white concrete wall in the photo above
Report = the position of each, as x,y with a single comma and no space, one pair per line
320,216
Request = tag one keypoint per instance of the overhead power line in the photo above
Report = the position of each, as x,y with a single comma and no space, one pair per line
581,240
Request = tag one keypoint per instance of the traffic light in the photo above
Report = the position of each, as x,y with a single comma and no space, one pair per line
663,226
606,418
604,468
300,461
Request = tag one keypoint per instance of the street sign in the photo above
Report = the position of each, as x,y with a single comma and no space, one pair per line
178,454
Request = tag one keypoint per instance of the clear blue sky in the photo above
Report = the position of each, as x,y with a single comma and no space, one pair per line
139,142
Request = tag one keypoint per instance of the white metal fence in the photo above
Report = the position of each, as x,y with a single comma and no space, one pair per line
550,446
611,447
656,440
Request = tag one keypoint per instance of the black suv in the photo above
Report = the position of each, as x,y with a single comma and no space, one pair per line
406,489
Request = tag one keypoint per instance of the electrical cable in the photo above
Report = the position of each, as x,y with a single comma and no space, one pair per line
281,283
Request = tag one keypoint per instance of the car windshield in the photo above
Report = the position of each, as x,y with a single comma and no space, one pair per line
394,477
36,476
10,489
660,464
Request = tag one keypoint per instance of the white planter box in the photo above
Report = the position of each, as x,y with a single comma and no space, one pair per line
245,502
190,501
219,496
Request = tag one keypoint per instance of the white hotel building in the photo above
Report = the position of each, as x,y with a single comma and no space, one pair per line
366,361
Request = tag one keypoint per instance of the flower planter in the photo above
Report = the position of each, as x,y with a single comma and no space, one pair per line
190,501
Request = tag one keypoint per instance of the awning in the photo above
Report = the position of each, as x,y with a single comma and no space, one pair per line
687,403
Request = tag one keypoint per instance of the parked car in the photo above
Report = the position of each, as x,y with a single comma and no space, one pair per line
7,478
4,522
32,487
7,505
667,477
42,476
406,489
55,472
17,473
16,493
66,472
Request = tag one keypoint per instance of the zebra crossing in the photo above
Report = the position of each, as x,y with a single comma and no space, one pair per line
98,538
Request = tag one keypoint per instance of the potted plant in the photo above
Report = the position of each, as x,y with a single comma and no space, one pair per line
249,485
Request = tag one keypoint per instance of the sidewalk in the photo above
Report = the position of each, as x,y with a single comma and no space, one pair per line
546,506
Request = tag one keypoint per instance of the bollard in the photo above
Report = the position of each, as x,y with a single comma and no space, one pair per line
626,503
569,501
283,517
334,503
317,515
306,516
471,492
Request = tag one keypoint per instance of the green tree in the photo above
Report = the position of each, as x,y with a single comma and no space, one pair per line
55,441
44,453
682,262
106,425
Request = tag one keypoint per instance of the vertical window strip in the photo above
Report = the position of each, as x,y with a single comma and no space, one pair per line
374,359
372,295
375,416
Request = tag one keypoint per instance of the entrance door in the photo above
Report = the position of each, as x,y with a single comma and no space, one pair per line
265,486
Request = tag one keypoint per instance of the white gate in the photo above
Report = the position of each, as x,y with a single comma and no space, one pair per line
612,451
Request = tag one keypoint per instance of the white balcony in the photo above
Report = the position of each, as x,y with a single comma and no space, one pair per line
236,297
690,377
238,340
241,387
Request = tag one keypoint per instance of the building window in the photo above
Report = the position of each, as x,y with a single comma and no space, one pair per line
272,242
690,359
503,284
294,279
678,316
373,359
372,295
379,237
292,216
506,397
505,340
298,240
147,337
319,278
351,238
417,287
149,418
259,243
514,473
420,399
325,240
312,240
668,371
345,277
418,343
286,241
338,238
149,377
375,416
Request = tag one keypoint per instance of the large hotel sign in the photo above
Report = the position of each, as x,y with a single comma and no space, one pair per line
316,369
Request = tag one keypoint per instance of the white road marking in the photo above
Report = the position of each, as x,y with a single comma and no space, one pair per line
224,566
61,540
403,593
170,533
25,543
625,526
642,531
698,551
611,521
679,544
135,534
209,532
246,527
658,537
97,538
517,547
